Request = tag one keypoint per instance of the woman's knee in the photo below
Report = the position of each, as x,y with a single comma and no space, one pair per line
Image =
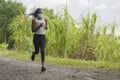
35,52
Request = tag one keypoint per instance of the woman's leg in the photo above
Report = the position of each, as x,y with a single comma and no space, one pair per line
36,43
42,46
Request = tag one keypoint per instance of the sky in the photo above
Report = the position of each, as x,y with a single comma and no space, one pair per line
108,11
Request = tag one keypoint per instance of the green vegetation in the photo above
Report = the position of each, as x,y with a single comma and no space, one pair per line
8,11
64,61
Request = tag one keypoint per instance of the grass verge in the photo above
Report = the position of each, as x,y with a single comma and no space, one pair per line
63,61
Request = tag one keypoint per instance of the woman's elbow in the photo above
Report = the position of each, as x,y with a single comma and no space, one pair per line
46,27
33,30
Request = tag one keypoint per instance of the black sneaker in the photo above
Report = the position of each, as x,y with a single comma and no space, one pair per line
43,69
33,57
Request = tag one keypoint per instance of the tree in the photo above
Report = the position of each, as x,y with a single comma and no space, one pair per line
8,10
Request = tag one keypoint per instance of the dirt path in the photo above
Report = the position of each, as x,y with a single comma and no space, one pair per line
14,69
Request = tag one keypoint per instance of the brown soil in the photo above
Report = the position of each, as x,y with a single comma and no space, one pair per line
15,69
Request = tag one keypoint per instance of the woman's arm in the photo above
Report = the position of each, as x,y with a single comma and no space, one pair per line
46,24
34,28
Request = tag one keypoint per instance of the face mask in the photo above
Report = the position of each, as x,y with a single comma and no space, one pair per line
40,15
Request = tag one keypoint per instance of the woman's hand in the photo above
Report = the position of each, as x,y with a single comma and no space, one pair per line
41,25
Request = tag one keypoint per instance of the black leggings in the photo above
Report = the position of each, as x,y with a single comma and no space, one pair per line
40,42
